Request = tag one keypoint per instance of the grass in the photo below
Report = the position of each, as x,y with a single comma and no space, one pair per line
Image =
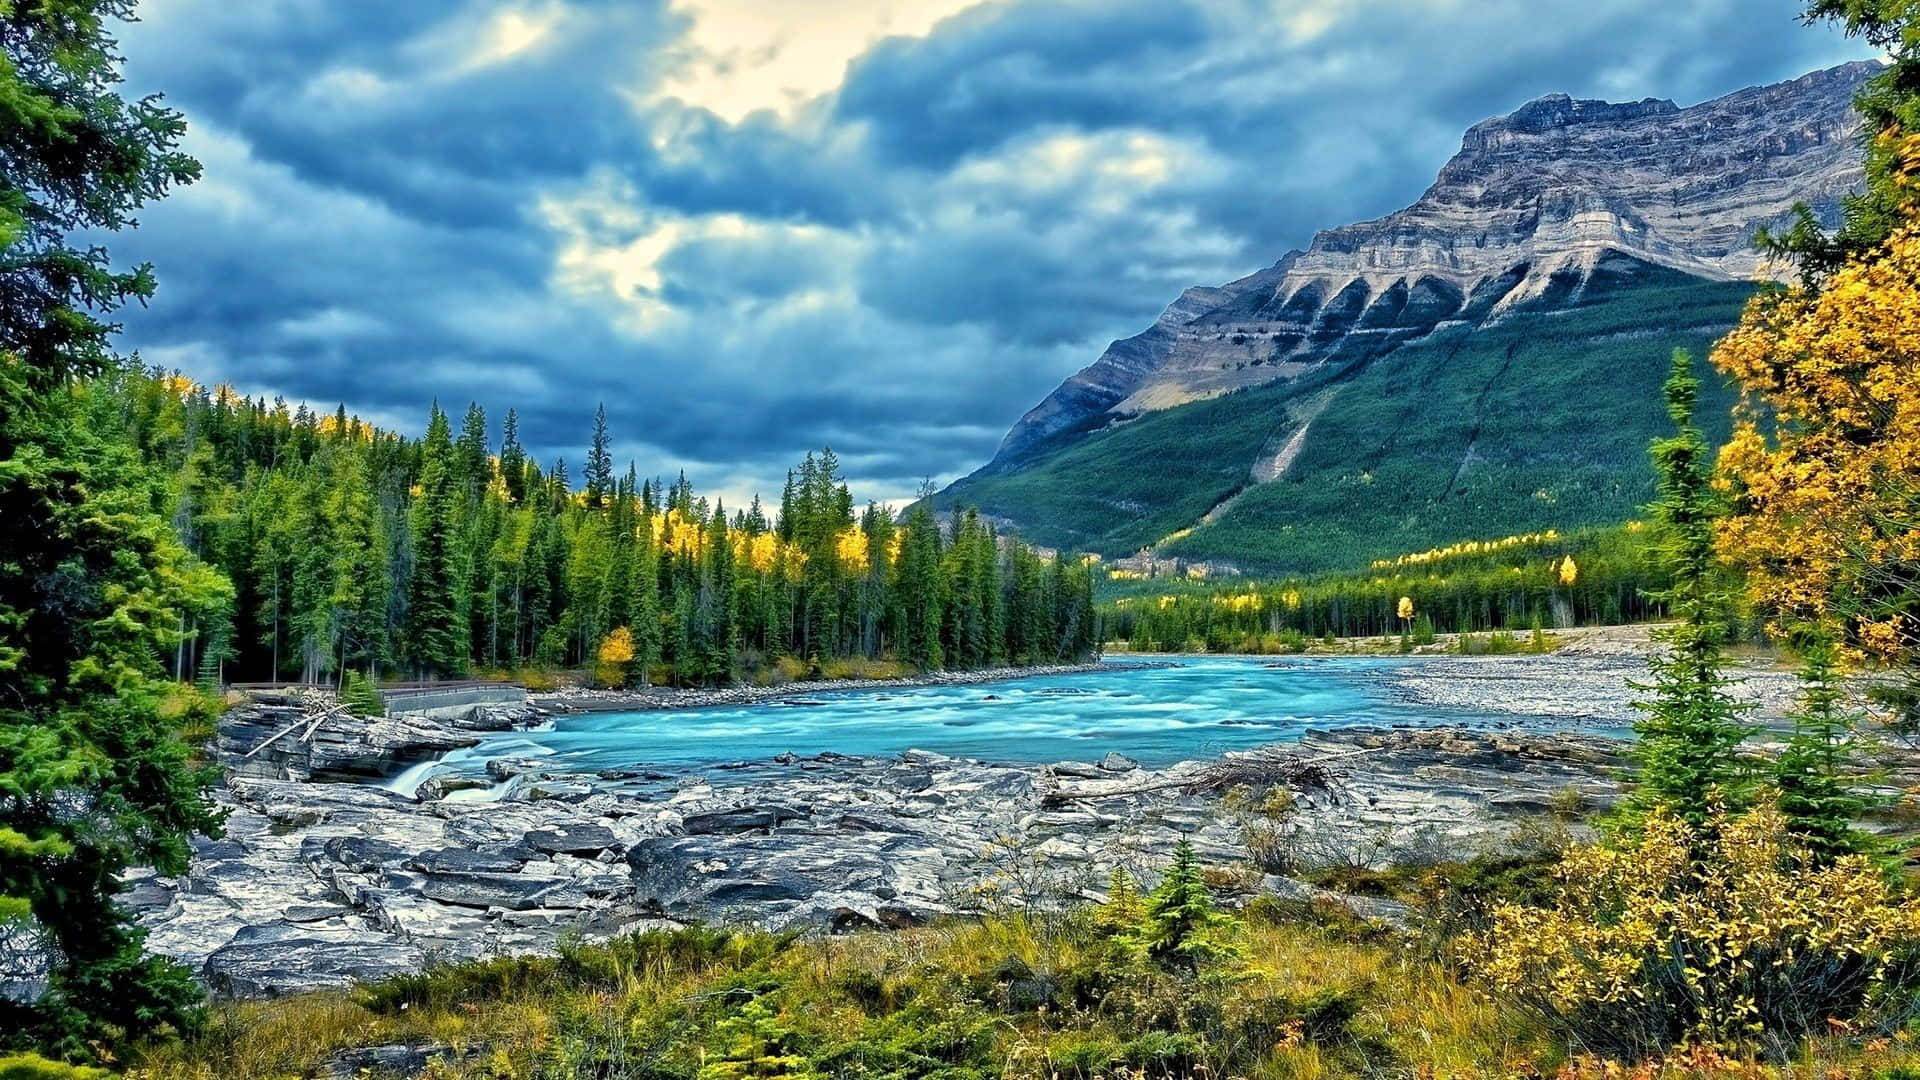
1550,410
1010,996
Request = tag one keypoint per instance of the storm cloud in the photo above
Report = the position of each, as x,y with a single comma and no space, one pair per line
751,229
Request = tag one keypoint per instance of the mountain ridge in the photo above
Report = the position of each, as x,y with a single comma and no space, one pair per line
1543,191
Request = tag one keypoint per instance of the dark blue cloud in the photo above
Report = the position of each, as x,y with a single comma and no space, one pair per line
900,267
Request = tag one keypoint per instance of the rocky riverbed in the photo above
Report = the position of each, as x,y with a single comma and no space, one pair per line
1589,678
319,883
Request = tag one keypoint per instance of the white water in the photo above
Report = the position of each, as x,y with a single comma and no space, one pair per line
1197,708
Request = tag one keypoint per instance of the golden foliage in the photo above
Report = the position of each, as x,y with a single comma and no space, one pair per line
760,552
617,647
1708,926
851,548
1827,493
1569,571
1405,608
1465,548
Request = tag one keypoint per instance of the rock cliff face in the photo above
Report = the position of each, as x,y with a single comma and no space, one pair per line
1534,207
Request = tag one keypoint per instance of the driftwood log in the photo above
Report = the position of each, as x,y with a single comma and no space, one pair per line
1261,768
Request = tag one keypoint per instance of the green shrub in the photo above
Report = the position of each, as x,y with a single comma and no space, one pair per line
35,1067
442,988
357,693
755,1044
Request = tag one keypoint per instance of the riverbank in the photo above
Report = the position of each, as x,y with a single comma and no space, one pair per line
650,699
1586,678
324,884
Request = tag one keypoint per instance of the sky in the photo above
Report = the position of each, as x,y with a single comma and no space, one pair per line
755,227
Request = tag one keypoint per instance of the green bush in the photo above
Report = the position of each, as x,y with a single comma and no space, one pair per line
357,693
34,1067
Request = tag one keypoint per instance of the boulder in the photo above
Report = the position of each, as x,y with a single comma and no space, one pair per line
709,876
583,840
362,853
516,892
439,787
398,1059
740,819
466,861
279,958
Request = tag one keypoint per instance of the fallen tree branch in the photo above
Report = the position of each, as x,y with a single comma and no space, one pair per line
1276,768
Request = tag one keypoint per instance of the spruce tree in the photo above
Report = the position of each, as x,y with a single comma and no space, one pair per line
599,474
1691,725
1889,108
471,465
1814,774
93,583
436,641
513,460
1181,929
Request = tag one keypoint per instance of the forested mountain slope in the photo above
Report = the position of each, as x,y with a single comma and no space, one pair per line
1485,361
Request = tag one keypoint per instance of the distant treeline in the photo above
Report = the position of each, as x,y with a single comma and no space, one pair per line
351,548
1542,579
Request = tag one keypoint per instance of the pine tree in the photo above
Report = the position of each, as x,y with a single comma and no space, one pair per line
753,1046
1690,728
435,632
1889,107
513,459
358,694
1181,929
93,584
1819,794
921,608
472,466
599,474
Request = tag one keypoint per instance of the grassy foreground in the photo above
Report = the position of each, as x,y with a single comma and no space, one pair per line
1009,996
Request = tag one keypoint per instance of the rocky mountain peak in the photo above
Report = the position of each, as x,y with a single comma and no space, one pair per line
1556,111
1534,205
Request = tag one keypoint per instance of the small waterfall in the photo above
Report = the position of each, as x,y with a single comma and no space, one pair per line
408,781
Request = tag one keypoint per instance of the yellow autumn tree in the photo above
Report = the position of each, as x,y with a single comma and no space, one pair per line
615,657
1824,463
1569,571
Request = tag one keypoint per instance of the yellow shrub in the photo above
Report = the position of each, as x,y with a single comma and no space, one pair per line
1729,935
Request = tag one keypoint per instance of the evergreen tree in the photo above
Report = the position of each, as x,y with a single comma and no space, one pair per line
357,692
1691,726
599,474
94,583
1819,794
472,465
435,633
1889,108
513,460
921,604
1181,929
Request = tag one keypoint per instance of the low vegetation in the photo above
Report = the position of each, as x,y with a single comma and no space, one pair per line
1782,968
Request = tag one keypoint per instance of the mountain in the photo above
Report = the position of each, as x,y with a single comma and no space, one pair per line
1485,360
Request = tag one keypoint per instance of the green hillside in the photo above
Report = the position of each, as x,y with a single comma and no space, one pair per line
1540,420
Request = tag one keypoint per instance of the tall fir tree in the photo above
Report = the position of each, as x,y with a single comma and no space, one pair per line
1817,772
599,473
435,634
93,582
513,460
1691,725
